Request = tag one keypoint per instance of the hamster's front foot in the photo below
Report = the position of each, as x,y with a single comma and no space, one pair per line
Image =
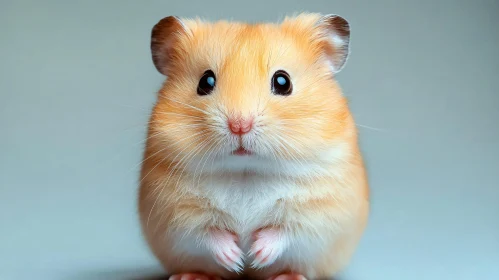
268,246
223,246
193,276
288,277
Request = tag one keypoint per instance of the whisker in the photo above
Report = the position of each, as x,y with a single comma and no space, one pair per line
212,150
179,114
221,147
147,110
372,128
204,154
168,178
273,152
199,134
187,105
174,170
160,133
293,147
199,148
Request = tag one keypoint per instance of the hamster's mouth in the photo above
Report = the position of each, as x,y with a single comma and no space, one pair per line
241,151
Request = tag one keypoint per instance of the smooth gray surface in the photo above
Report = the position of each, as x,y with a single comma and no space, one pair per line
77,84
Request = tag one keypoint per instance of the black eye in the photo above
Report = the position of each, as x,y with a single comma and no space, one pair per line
281,83
206,83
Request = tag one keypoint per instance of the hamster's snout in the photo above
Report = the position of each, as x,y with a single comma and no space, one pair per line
240,126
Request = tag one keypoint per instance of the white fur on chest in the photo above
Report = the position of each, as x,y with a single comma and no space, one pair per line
249,200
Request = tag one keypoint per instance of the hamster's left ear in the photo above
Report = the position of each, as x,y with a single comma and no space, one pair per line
334,32
165,38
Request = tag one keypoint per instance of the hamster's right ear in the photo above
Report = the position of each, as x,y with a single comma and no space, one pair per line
165,37
336,32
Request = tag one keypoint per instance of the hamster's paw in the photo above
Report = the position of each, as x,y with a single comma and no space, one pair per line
268,246
223,245
193,276
288,277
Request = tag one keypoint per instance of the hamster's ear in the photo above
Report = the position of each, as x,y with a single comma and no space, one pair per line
165,37
335,34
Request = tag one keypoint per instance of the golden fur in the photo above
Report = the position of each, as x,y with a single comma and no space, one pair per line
321,190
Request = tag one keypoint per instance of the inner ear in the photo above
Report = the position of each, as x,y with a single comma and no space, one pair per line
164,42
335,36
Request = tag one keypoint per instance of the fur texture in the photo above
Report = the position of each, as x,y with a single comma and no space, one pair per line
299,203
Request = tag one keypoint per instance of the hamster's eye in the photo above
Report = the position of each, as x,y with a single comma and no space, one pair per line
281,83
206,83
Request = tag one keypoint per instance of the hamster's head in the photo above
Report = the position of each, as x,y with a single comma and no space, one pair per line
251,97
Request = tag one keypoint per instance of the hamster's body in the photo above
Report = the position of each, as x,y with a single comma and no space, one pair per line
244,176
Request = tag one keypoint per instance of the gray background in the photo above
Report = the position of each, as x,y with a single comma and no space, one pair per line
77,84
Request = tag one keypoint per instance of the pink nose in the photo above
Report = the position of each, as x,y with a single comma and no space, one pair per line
240,126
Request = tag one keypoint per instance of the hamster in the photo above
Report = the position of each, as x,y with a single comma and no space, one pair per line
252,166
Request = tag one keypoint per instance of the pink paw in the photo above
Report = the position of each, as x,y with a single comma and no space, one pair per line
193,276
268,246
288,277
223,245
